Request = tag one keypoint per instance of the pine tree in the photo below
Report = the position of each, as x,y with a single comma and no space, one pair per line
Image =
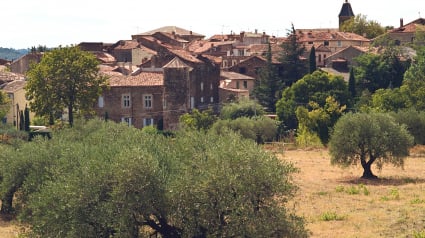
293,64
312,59
268,86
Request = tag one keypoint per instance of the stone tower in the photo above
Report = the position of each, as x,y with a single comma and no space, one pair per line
177,92
346,13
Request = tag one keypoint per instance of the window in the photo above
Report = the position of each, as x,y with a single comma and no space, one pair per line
242,70
126,120
202,86
202,99
147,100
241,52
237,84
126,100
339,43
245,84
192,102
225,64
234,62
211,86
320,58
211,99
326,43
147,122
100,101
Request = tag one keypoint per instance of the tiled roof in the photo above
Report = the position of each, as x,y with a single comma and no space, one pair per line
141,79
171,29
412,27
328,35
346,10
173,37
6,76
104,57
233,75
127,45
184,54
202,46
176,63
13,86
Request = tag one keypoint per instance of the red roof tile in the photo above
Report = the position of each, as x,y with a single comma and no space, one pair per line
142,79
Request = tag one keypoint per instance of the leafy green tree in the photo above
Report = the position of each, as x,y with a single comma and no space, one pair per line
292,61
414,121
361,26
190,185
316,87
315,124
414,82
241,108
66,78
380,71
389,100
4,104
312,60
198,120
268,86
369,138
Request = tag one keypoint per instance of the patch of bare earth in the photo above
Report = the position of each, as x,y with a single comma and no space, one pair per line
336,203
8,229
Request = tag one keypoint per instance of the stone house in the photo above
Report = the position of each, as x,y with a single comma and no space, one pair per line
22,65
15,90
234,85
405,34
343,59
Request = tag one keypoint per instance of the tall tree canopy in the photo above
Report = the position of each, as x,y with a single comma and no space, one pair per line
361,26
315,87
369,138
268,87
66,78
294,65
103,179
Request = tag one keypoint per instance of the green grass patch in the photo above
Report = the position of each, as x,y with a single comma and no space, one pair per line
331,216
353,190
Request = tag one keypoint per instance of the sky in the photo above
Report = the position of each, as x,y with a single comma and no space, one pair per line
51,23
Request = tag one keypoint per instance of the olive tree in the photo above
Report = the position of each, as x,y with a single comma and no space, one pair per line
103,179
369,138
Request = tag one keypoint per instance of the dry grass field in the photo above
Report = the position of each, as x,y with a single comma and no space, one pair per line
336,203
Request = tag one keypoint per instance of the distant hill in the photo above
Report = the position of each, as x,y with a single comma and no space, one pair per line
11,54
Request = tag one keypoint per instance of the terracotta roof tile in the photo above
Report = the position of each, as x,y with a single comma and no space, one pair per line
13,86
233,75
142,79
127,45
171,29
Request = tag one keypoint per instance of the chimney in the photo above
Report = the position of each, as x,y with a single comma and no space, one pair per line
242,34
256,31
401,22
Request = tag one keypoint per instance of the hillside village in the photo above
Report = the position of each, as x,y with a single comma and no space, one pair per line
157,76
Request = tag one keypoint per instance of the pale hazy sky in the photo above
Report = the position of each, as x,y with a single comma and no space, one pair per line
27,23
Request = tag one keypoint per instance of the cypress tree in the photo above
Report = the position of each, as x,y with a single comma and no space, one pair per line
312,59
21,121
27,118
352,83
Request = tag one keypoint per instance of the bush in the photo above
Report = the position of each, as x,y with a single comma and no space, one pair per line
242,108
261,129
